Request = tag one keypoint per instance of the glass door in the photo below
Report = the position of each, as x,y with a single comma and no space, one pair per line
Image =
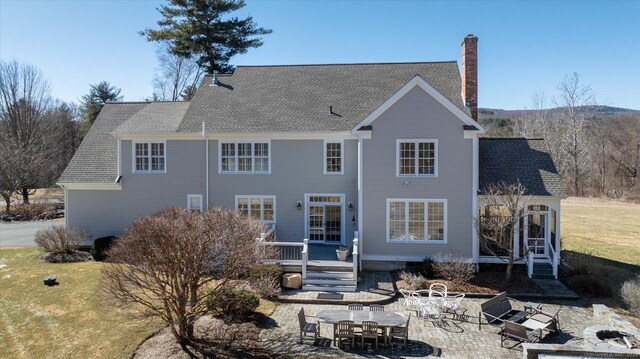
333,224
316,223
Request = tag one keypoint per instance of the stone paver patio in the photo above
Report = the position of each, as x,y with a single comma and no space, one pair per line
453,340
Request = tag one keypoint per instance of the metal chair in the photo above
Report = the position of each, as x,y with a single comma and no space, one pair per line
369,331
439,288
409,299
307,327
344,330
519,333
376,308
452,305
401,333
356,307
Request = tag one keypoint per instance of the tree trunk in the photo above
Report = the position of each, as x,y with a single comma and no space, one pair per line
7,199
25,195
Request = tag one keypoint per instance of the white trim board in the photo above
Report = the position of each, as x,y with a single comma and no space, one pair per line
420,82
320,135
90,186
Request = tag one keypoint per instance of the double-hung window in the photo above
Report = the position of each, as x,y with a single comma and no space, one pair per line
333,157
262,208
417,158
245,157
417,220
149,157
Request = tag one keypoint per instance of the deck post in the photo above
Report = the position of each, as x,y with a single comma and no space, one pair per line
355,257
305,257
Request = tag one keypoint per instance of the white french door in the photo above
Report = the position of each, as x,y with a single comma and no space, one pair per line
536,230
324,218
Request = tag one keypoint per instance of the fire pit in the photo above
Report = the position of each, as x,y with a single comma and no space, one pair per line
610,338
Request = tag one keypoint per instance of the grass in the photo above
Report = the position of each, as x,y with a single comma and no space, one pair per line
602,237
70,320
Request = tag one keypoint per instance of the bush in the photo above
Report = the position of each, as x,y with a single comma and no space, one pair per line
415,281
31,210
60,239
234,304
266,287
589,285
267,270
630,293
100,247
453,267
425,268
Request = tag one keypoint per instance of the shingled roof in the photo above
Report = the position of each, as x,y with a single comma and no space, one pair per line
96,160
297,98
155,117
519,159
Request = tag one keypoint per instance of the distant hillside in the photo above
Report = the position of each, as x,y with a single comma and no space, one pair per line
597,111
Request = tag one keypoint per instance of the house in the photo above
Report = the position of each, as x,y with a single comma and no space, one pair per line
386,156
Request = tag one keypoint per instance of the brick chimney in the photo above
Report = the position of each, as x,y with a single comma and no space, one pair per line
470,74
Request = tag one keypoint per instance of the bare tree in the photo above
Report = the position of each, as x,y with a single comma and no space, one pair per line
503,206
177,76
24,101
168,264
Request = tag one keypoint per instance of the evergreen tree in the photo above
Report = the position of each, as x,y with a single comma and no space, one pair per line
93,102
196,28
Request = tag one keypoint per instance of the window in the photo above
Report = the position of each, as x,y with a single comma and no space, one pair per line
194,202
149,157
333,157
416,220
417,158
262,208
244,157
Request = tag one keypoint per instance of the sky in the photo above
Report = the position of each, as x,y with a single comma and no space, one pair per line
525,47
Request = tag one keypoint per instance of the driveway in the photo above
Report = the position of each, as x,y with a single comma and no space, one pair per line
21,234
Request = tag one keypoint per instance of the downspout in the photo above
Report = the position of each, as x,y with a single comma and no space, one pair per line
206,165
474,200
360,207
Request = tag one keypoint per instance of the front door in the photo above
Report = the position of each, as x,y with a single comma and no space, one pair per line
324,221
537,233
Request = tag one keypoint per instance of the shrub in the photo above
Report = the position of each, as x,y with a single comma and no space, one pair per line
589,285
630,293
31,210
267,270
415,281
60,239
425,268
100,247
454,267
266,287
234,304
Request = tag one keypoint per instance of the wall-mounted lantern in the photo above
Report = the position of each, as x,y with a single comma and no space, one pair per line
350,206
299,205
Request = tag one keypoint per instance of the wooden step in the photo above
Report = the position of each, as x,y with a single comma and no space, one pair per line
329,274
329,288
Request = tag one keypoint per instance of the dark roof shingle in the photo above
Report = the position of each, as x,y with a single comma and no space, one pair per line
519,159
155,117
298,97
96,160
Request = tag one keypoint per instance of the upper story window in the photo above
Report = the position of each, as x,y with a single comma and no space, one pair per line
262,208
417,158
245,157
333,157
149,157
417,220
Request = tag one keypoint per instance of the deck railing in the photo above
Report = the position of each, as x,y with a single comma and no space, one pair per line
305,257
354,254
553,258
279,252
529,255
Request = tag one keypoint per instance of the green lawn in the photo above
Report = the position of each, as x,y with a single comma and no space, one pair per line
70,320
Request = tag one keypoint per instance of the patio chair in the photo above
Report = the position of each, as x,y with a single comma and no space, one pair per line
498,310
439,288
369,331
452,305
376,308
551,319
355,307
519,333
432,309
344,330
401,333
409,299
307,327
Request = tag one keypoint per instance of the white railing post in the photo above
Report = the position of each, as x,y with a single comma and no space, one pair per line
555,265
355,256
305,256
529,264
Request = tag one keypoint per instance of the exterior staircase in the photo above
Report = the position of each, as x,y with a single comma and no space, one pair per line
542,271
330,277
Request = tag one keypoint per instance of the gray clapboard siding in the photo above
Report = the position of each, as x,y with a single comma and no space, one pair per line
417,115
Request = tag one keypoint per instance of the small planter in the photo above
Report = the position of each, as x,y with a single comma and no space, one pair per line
342,253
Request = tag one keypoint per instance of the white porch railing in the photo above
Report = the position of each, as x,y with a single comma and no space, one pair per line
529,255
354,254
553,259
280,252
305,257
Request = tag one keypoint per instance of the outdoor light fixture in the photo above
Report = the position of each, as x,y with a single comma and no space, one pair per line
350,206
299,205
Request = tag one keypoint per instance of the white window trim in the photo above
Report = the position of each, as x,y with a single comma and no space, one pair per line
324,157
252,142
262,197
191,196
149,142
426,223
416,141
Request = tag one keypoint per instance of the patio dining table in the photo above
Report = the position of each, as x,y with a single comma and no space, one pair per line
385,320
